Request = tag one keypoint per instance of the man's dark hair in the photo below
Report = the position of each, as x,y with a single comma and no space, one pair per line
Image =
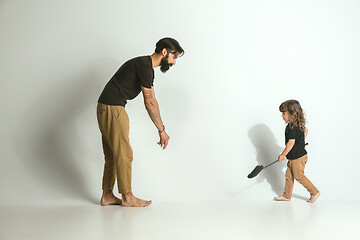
170,44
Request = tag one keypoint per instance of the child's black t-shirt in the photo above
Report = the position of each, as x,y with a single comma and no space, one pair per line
294,132
127,81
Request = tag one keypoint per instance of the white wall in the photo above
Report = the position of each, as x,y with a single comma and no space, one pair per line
219,103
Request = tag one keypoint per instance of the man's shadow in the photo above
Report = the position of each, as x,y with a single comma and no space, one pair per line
48,141
268,151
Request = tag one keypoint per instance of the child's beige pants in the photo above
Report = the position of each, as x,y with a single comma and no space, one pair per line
295,170
114,126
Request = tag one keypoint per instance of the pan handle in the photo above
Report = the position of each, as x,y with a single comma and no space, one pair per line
271,164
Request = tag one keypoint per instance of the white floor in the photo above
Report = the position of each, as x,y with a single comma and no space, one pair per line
233,219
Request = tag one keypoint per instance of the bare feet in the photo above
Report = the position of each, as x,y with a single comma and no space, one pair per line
108,198
129,200
282,198
313,198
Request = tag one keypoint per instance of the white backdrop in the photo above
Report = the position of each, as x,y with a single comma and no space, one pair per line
219,103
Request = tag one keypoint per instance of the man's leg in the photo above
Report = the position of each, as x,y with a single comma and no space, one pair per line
108,182
123,157
123,154
109,168
114,126
108,198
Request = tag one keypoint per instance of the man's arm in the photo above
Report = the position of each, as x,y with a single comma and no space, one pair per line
153,110
290,144
152,107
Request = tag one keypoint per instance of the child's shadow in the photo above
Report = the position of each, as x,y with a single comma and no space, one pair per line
268,151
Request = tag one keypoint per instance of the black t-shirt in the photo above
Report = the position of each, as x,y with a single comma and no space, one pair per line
125,84
294,132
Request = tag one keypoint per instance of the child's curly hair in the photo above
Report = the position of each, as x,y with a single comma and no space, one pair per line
296,113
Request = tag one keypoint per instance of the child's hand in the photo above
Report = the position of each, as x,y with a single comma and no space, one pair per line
281,157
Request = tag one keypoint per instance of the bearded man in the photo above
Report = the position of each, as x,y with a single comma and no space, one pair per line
134,76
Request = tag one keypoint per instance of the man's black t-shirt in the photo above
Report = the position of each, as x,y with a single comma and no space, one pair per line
294,132
125,84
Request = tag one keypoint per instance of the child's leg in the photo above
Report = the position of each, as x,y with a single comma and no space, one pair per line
289,181
298,167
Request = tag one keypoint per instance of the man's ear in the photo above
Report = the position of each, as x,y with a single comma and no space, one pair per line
164,52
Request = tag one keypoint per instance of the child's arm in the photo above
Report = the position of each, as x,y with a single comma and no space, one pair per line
287,149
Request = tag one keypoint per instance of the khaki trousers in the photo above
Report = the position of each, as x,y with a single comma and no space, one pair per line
114,126
295,170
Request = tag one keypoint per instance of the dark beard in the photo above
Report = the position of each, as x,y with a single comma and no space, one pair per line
164,64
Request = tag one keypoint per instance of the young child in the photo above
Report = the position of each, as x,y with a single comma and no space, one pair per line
294,151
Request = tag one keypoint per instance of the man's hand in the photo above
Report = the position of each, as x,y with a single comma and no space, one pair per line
164,139
281,157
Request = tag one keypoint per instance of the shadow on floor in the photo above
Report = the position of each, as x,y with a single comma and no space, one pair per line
48,140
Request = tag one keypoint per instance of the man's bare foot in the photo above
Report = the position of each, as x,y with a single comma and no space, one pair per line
129,200
108,198
313,198
282,198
